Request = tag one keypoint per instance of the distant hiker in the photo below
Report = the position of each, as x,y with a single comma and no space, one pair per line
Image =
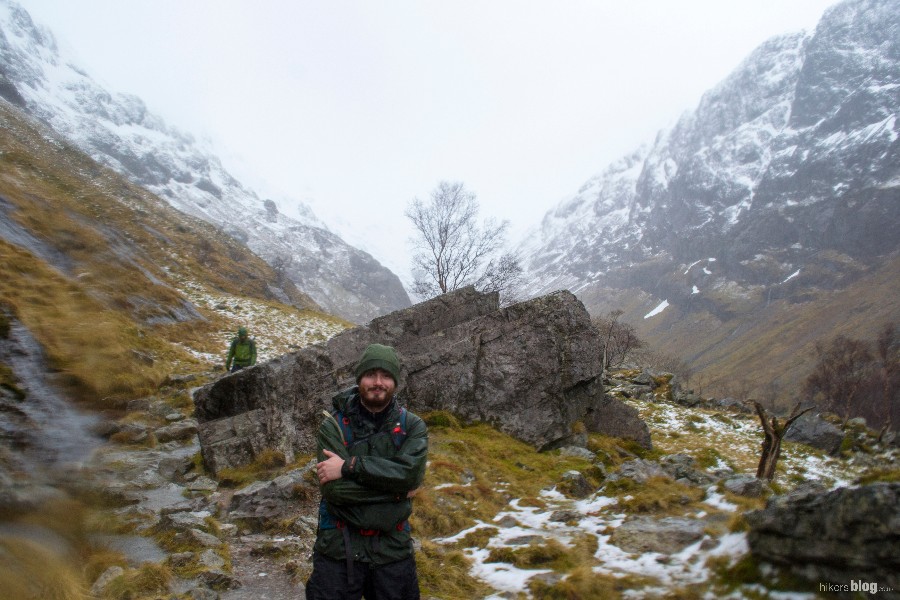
372,456
242,352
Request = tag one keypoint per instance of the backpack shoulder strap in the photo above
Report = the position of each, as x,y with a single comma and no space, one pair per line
344,423
398,433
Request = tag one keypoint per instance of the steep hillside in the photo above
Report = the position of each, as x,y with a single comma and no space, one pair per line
766,219
119,131
119,288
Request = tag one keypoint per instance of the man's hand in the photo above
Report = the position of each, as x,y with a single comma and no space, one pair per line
330,468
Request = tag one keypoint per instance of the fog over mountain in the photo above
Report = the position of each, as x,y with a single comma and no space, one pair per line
119,131
779,190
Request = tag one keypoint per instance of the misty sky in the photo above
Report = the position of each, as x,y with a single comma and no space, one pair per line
357,107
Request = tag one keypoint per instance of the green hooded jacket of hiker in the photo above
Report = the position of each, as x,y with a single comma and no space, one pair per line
242,352
370,500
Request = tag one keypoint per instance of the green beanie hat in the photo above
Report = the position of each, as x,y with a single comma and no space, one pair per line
377,356
242,331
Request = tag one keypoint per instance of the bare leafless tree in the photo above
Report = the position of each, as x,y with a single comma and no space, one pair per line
280,264
774,432
770,393
452,250
619,339
842,368
887,357
660,361
503,275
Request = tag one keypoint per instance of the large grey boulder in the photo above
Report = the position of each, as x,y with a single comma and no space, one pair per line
531,369
813,430
613,417
842,535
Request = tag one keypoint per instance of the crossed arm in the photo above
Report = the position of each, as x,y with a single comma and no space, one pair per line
370,479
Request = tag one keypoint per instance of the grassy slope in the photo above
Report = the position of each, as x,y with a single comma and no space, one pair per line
762,343
119,270
477,475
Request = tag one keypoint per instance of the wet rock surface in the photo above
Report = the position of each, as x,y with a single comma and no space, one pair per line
531,369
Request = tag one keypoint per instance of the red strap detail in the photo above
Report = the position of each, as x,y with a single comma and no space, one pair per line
369,532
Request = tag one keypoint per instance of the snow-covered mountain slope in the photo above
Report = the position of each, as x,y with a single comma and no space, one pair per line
119,131
784,182
796,151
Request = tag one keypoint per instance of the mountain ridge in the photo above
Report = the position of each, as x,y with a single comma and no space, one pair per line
784,183
119,131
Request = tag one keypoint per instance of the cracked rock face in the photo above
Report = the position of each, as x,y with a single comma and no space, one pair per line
839,535
532,370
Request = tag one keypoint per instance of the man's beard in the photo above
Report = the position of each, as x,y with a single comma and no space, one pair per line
375,398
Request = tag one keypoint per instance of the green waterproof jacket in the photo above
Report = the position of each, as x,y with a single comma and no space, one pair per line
241,353
368,505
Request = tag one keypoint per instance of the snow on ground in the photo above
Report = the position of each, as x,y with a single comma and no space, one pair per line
276,329
736,437
599,515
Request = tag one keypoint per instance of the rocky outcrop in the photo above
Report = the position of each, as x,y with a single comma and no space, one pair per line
842,535
613,417
815,431
120,132
531,369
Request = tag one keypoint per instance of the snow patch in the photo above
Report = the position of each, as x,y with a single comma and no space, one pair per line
661,307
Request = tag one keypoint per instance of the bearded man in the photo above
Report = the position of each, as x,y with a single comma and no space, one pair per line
372,454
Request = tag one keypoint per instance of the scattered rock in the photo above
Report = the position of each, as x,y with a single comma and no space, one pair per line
666,536
183,521
524,540
181,559
262,501
174,467
680,467
203,484
645,378
105,579
219,580
574,485
211,560
616,419
203,539
577,452
745,485
199,593
565,516
180,430
139,405
508,521
639,470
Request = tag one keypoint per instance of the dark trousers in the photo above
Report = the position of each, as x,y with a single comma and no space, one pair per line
394,581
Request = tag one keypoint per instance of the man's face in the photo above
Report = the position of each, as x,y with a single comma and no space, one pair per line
376,388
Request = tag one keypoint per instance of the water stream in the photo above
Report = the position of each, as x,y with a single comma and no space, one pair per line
53,435
48,443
